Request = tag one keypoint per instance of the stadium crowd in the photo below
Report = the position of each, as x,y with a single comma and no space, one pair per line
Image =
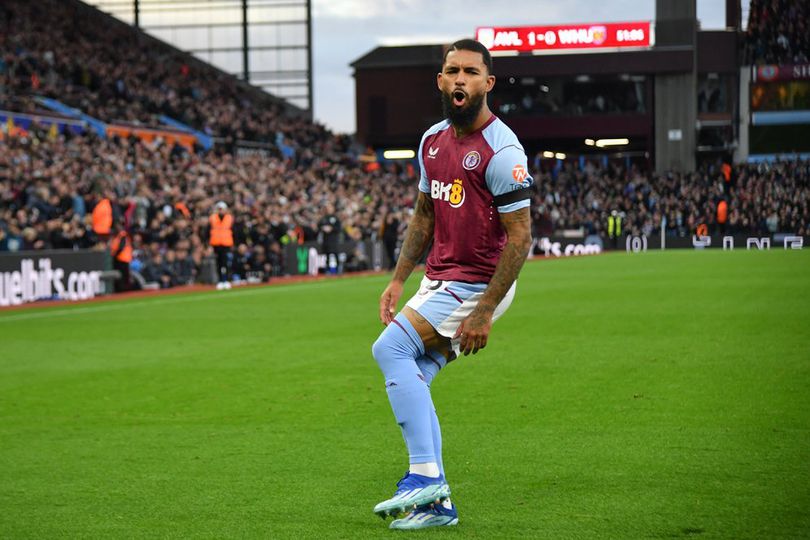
114,74
778,32
760,199
164,195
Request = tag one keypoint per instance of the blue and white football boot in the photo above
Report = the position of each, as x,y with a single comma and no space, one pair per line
432,515
413,490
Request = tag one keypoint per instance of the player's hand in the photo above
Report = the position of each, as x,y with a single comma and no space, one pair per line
388,302
474,332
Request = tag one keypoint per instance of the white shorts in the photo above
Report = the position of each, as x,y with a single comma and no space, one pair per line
446,303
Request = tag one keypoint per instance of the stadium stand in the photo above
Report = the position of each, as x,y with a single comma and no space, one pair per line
86,60
54,172
762,198
164,195
778,32
52,179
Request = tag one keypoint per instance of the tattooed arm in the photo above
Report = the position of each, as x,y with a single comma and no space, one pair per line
474,330
417,239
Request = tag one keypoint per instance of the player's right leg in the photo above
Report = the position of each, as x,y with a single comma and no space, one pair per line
436,312
396,351
434,514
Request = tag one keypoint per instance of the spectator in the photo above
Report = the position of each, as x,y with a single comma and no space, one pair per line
329,228
390,235
184,268
159,270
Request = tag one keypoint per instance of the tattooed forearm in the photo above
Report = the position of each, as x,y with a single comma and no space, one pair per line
519,240
417,238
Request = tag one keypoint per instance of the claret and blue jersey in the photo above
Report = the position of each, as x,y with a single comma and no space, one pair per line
468,179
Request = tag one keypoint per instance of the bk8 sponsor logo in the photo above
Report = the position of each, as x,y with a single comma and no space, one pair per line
452,193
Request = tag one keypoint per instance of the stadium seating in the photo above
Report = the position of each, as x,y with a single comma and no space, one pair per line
778,32
762,199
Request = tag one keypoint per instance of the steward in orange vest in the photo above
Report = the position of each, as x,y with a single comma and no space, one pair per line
221,229
121,251
103,218
722,215
121,247
221,239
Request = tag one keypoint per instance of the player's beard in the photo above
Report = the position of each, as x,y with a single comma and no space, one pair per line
462,117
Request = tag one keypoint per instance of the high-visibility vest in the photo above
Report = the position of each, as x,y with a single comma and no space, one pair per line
183,209
726,168
221,233
722,212
102,217
125,255
614,226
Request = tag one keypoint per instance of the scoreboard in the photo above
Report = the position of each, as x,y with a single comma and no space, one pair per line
576,37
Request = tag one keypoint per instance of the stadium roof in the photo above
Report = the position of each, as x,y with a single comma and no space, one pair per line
404,56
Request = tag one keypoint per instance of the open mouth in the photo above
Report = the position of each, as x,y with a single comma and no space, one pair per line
459,98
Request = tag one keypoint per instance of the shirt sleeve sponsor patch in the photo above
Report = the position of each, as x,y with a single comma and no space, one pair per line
519,173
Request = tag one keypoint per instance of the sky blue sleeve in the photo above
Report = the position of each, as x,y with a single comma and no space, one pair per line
508,171
424,184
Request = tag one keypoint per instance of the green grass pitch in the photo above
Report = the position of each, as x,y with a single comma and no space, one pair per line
656,395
